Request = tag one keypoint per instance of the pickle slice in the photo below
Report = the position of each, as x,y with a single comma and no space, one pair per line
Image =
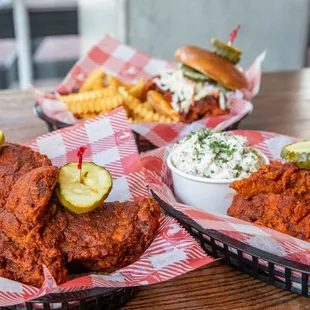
298,153
84,196
2,137
192,74
227,51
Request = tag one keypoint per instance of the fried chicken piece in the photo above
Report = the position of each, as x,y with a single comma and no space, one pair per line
15,161
110,237
35,230
284,212
24,244
275,178
204,107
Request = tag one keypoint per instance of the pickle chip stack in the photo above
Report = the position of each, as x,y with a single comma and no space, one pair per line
227,51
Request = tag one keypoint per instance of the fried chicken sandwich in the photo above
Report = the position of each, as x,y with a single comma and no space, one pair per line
198,86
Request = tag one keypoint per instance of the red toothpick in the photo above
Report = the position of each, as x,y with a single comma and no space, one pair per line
233,35
80,161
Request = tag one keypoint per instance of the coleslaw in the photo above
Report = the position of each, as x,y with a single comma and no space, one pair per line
215,155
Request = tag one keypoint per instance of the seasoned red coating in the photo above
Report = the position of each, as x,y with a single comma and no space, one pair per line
274,178
276,196
207,106
284,212
35,230
15,161
110,237
24,244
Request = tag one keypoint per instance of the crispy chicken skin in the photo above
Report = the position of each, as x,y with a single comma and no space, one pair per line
285,212
207,106
274,178
35,230
110,237
24,244
15,161
276,196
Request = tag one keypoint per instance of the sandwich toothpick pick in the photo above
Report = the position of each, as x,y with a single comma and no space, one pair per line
80,162
233,35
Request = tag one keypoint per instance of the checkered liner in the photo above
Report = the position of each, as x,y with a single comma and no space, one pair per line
160,181
110,142
128,64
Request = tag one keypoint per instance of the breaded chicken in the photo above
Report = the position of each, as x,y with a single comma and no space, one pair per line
24,245
276,196
275,178
35,230
283,212
110,237
15,161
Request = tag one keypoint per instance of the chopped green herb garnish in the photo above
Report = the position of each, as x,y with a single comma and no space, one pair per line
206,149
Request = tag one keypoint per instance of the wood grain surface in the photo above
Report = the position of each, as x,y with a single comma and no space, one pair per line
283,106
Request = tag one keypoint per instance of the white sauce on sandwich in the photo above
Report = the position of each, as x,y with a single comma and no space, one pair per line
215,155
183,89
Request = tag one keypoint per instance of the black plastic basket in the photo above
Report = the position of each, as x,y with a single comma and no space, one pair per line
262,265
142,143
95,298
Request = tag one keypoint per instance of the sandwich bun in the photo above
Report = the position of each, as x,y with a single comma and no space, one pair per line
214,66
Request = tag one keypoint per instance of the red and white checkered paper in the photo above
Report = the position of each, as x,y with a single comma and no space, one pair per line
160,181
129,64
110,142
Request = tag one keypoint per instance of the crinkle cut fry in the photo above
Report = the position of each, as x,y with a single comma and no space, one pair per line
103,103
141,111
93,81
94,94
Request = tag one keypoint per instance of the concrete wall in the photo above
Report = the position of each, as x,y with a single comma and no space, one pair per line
158,27
98,17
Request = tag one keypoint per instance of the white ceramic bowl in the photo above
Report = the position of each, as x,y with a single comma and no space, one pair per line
210,195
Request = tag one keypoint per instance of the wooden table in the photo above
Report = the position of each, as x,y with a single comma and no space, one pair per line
283,106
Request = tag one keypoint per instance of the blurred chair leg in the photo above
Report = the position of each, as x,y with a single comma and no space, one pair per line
23,40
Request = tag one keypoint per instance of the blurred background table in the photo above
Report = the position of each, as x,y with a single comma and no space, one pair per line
283,106
59,31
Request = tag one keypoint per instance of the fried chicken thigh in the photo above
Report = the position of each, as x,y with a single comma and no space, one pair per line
275,178
25,246
283,212
110,237
15,161
276,196
35,230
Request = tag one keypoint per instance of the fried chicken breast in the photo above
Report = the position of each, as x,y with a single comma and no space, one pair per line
276,196
110,237
35,230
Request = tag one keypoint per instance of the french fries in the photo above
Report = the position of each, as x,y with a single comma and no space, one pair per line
113,81
137,89
101,93
161,106
93,81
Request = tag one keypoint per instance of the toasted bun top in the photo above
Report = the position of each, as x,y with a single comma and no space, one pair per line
212,65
